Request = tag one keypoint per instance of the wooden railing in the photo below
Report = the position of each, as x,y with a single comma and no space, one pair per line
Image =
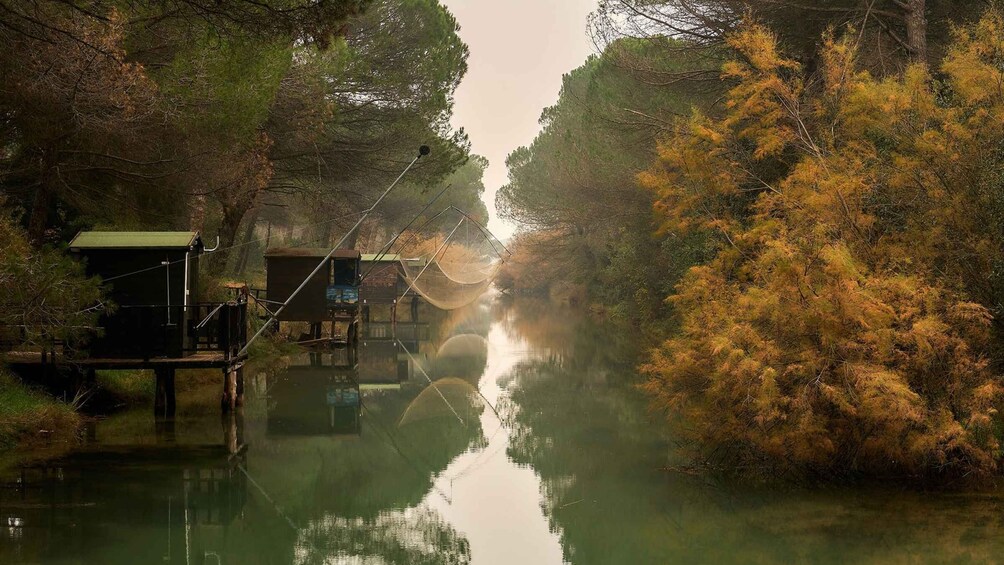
171,331
219,327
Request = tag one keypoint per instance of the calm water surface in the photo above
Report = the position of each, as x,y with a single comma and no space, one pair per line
509,433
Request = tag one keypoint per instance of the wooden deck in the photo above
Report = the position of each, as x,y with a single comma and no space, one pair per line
200,360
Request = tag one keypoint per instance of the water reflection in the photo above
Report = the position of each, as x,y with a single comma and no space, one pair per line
415,537
168,504
503,433
314,398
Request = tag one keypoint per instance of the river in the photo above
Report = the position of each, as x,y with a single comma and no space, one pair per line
503,433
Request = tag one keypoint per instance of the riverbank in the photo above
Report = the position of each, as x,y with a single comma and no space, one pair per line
29,416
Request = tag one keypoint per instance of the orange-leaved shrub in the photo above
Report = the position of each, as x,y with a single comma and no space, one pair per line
845,324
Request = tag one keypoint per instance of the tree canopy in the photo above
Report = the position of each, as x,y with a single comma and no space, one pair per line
215,115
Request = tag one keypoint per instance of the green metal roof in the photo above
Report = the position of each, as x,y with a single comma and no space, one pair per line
310,252
388,258
135,240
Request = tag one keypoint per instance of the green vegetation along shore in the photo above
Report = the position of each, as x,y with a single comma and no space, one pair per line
31,417
800,209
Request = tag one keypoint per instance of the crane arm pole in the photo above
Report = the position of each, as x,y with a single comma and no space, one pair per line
423,151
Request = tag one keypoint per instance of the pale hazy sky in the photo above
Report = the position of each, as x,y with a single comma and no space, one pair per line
519,51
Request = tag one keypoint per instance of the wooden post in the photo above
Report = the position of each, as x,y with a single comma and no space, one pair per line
239,387
228,401
352,353
164,430
164,400
224,333
75,382
231,437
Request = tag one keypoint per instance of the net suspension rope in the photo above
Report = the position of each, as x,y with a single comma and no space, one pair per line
423,151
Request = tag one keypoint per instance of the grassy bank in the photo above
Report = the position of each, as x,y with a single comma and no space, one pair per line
28,416
31,417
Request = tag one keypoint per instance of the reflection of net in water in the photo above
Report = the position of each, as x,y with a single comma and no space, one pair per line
464,345
445,398
451,260
463,356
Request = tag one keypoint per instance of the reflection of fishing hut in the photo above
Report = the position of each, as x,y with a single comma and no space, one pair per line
118,500
317,396
331,295
383,364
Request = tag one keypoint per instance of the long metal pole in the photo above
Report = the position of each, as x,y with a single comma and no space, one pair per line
421,153
436,254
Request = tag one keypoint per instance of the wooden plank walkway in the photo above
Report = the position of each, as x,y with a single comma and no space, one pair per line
199,360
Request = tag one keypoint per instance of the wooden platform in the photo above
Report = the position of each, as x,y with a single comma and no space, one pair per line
200,360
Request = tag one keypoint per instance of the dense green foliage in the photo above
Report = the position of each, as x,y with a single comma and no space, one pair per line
44,296
224,116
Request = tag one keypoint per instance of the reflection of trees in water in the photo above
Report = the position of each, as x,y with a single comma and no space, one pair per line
408,436
578,422
589,444
387,467
415,537
566,333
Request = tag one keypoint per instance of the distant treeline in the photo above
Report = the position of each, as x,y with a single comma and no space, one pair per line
802,207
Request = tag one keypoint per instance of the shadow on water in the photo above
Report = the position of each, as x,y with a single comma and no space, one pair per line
501,433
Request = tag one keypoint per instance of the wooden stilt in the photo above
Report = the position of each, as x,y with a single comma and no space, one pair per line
239,387
159,395
230,435
75,382
164,430
228,401
164,404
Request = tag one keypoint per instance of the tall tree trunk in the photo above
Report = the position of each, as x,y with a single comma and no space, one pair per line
916,30
246,242
42,203
232,217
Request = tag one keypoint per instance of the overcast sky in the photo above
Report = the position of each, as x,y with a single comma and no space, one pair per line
519,51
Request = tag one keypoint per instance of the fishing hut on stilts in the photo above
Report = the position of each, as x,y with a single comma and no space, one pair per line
153,320
330,294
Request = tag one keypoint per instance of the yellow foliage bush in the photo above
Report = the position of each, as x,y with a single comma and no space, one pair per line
844,326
